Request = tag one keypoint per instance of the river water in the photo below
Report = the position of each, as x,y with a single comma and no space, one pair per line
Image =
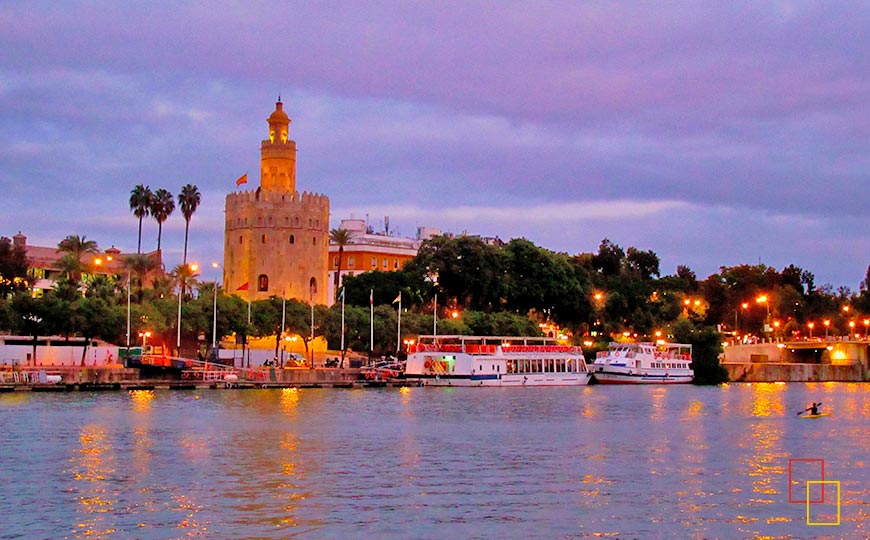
596,462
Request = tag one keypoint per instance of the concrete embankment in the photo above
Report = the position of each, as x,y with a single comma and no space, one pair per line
118,378
798,361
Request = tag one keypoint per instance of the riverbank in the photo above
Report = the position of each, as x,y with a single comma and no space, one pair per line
118,378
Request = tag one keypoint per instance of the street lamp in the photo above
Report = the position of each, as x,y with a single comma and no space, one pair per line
214,313
181,286
811,326
866,327
762,299
851,328
144,335
827,323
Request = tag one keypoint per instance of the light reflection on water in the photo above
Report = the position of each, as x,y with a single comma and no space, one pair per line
596,462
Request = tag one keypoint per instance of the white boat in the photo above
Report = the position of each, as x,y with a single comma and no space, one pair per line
644,363
495,361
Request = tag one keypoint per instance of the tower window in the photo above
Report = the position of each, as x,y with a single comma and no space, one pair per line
292,239
240,239
384,263
396,264
312,285
314,241
263,239
263,282
335,262
374,263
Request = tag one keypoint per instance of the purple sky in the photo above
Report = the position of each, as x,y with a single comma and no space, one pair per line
711,134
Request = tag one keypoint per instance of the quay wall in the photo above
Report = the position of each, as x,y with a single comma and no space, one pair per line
791,372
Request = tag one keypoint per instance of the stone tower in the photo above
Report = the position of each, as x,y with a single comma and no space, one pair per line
276,240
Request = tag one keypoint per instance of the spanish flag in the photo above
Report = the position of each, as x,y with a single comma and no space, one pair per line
243,287
243,179
398,298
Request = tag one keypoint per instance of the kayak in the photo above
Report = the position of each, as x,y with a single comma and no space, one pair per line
815,415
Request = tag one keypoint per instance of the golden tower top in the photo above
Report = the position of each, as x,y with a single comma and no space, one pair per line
278,154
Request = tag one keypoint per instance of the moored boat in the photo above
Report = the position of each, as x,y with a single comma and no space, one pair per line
495,361
644,363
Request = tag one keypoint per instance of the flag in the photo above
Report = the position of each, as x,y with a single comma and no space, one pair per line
243,287
372,297
398,298
243,179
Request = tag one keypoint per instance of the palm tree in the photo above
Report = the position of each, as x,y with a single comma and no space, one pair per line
140,265
140,205
74,247
185,276
341,238
162,205
188,201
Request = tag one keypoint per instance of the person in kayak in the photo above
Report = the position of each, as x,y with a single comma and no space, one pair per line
814,408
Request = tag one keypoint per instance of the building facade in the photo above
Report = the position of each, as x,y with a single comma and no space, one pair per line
367,251
276,240
45,268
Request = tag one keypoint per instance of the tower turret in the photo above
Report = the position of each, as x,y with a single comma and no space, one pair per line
278,154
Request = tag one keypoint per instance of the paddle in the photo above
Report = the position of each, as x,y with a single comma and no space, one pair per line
808,408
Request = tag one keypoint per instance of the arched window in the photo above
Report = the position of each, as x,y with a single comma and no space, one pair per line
312,286
396,264
351,261
292,239
314,241
335,262
374,263
240,239
384,263
263,282
263,239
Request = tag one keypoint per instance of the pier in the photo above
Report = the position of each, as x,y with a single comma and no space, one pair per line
813,360
197,376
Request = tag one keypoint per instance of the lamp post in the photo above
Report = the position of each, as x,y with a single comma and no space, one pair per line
866,328
129,278
811,326
827,323
181,287
762,299
851,328
144,335
214,314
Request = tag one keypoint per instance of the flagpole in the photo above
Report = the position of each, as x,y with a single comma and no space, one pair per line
311,300
399,326
435,316
372,323
342,327
283,321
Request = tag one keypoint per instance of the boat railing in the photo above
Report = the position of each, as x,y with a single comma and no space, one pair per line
493,349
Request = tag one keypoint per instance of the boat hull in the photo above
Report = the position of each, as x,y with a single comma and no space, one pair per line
615,377
507,380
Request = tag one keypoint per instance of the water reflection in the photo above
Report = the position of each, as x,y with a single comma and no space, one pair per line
92,466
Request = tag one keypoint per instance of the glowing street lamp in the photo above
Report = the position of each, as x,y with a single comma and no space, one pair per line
214,312
827,323
866,327
852,328
811,326
181,285
144,335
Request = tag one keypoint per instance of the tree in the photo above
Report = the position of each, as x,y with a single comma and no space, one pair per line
706,345
341,238
140,265
74,247
94,316
140,205
162,205
609,258
13,268
188,202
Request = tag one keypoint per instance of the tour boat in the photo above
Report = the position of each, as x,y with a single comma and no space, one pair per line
495,361
644,363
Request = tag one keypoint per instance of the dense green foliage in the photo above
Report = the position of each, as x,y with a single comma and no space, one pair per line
506,289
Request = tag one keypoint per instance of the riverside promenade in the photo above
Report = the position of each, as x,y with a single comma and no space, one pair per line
117,377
